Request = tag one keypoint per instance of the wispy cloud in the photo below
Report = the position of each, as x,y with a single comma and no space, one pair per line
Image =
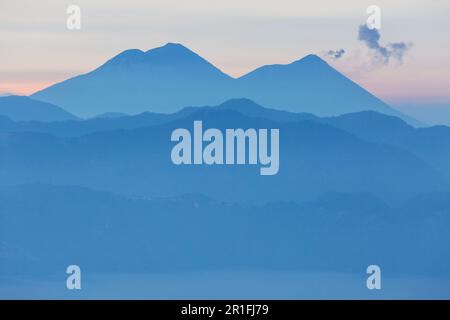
382,54
334,54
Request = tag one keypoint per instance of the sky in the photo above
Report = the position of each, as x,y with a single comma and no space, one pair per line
237,36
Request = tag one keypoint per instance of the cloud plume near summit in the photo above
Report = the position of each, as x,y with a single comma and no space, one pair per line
334,54
383,54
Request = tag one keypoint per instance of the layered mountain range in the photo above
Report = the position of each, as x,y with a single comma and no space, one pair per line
86,174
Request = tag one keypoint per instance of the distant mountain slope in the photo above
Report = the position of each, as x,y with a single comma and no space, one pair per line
431,144
168,78
19,108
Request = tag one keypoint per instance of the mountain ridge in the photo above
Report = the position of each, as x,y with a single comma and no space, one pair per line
167,78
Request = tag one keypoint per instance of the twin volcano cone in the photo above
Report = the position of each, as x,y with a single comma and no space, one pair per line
168,78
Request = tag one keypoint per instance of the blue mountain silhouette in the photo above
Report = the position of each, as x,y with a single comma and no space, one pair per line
20,108
167,78
431,144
